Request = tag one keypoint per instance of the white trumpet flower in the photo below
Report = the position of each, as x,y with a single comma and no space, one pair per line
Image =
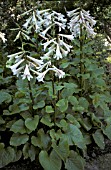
14,67
72,13
18,71
36,61
42,11
45,31
2,36
68,47
61,25
64,52
70,37
46,65
27,73
27,22
58,72
58,54
48,54
12,56
47,43
35,22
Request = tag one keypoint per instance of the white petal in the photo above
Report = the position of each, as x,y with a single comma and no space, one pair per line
36,61
2,36
70,37
58,54
11,56
65,45
47,43
27,22
59,72
27,73
18,71
14,67
71,13
45,31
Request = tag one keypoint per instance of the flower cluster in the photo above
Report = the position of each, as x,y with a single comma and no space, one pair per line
81,18
48,25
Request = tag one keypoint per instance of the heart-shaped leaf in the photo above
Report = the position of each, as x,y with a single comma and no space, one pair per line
31,123
51,161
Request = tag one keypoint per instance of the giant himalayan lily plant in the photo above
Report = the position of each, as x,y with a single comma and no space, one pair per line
60,139
42,21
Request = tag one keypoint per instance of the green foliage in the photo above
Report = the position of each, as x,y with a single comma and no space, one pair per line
55,121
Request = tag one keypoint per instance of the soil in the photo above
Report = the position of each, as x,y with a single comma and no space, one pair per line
96,159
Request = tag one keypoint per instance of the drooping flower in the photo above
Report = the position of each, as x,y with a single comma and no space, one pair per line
58,54
81,18
46,30
27,22
15,66
26,73
68,47
48,43
36,61
2,36
70,37
12,56
58,72
18,71
46,65
35,22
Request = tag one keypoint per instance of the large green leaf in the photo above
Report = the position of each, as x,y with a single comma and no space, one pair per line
1,121
62,149
8,155
99,139
31,123
107,131
5,97
62,104
74,162
84,103
13,109
47,120
74,136
51,161
42,140
29,151
18,126
49,109
40,104
18,139
73,100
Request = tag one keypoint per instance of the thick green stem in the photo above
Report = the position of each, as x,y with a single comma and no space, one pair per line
54,101
81,60
31,97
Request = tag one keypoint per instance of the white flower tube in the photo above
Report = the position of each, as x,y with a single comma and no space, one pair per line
36,61
2,36
11,56
14,67
27,22
27,73
18,71
58,54
68,47
58,72
47,43
45,31
70,37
